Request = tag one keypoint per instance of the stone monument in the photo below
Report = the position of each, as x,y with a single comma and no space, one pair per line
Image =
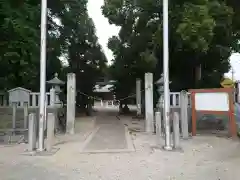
138,97
19,97
71,102
149,114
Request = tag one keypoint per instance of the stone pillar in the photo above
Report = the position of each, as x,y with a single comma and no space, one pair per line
50,131
14,116
138,97
176,134
149,125
32,132
158,120
71,98
25,109
184,114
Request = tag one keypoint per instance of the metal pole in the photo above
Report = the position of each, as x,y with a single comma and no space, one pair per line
42,115
166,78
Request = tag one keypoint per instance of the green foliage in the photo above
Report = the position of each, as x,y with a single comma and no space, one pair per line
79,42
196,26
202,33
71,34
18,44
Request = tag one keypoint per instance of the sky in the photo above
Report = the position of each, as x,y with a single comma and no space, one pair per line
104,31
235,63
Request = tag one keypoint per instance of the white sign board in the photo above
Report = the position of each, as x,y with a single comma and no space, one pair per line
212,101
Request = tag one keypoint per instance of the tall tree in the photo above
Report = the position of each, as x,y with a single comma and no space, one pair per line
80,43
203,34
71,34
19,43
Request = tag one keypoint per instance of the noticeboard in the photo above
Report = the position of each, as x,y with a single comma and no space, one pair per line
213,101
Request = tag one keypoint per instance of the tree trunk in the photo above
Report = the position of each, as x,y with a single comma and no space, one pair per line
198,74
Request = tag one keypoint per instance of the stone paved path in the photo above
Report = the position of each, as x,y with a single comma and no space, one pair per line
110,135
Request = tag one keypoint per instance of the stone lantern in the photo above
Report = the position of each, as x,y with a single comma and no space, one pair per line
56,83
160,84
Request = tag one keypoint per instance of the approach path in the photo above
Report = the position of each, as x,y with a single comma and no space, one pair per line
110,135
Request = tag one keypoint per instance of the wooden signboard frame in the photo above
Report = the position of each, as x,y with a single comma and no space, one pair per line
229,111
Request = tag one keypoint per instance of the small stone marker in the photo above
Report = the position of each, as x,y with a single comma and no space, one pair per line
184,114
50,131
25,109
32,132
176,132
14,108
158,124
